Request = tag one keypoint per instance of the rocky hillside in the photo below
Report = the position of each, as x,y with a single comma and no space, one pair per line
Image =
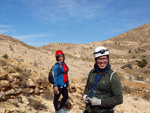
24,69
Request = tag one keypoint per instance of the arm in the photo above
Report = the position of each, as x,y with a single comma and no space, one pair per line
116,89
86,90
56,70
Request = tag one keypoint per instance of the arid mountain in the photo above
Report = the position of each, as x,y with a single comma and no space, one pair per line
24,70
130,43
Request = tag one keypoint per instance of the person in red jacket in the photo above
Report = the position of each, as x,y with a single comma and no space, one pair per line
61,81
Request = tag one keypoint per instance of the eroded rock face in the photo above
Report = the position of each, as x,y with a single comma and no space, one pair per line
12,85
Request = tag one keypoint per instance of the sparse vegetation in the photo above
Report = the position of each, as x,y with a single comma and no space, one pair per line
121,76
48,94
142,63
5,56
84,79
12,70
15,104
127,66
18,69
147,95
126,89
21,64
36,104
36,64
140,78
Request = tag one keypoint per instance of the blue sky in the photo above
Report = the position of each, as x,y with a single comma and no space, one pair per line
40,22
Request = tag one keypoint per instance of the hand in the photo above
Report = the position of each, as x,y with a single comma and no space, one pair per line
68,87
85,99
95,101
56,90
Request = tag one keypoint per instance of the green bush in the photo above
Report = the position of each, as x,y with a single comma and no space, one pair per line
142,63
140,78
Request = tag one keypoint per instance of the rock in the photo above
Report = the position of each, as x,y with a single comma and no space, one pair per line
30,83
37,91
4,84
10,78
2,95
79,96
15,75
3,76
80,92
10,92
16,83
68,104
72,89
13,91
126,89
31,90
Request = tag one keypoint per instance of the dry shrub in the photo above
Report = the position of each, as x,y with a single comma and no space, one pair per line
142,63
5,56
126,89
147,95
36,104
11,70
84,79
127,66
121,76
26,92
48,94
140,78
15,104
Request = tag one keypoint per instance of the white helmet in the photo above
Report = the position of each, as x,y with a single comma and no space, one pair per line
100,51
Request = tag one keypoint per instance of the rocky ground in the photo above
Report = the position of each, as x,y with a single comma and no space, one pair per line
24,69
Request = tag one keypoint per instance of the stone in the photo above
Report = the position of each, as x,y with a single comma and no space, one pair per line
16,83
37,91
30,83
4,84
3,76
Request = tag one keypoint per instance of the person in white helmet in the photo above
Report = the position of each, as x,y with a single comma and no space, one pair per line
103,89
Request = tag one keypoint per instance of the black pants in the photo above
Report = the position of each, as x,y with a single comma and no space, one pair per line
104,112
64,92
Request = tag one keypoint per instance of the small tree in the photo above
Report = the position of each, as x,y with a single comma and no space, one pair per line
142,63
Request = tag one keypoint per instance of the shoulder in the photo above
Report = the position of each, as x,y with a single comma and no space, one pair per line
92,70
114,77
56,65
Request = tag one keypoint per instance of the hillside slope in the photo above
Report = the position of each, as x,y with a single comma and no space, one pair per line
24,71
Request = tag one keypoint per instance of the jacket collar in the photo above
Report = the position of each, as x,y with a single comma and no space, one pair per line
98,70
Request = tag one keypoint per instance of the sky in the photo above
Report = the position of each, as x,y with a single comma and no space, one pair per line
40,22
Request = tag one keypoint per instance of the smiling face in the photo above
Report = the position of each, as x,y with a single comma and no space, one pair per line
61,58
102,61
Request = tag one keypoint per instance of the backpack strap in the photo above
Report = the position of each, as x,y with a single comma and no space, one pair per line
59,72
99,92
111,75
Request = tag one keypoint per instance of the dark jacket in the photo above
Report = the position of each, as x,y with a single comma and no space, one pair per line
109,91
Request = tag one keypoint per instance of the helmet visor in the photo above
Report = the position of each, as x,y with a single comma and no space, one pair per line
102,51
